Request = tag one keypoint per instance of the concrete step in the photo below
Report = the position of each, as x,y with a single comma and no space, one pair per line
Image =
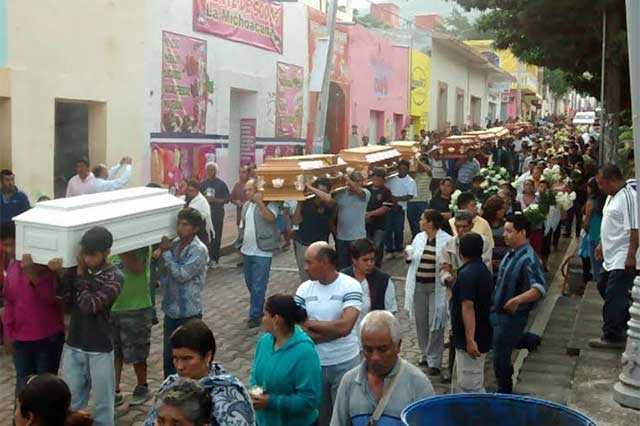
587,321
554,393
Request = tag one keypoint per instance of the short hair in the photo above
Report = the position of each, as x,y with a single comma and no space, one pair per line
190,398
433,216
447,180
520,222
192,216
359,248
322,181
464,199
611,172
97,240
380,319
356,176
193,184
404,163
8,231
464,215
5,172
329,253
211,164
491,207
471,245
379,172
82,160
194,335
97,169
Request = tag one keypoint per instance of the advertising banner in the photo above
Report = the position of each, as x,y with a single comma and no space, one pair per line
173,163
318,29
247,141
420,84
184,84
254,22
289,100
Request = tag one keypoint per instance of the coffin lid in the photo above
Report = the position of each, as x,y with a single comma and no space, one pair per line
98,208
461,138
370,154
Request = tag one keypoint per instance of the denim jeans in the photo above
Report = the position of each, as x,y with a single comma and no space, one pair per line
376,236
36,357
214,248
331,377
414,211
299,250
596,264
91,372
615,288
342,250
395,230
256,276
508,333
169,326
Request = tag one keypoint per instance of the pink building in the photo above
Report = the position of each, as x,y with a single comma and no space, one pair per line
379,73
387,13
427,22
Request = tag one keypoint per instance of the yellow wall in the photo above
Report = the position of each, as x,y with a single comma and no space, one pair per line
420,84
76,50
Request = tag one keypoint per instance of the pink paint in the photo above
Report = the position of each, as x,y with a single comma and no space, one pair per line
378,73
512,107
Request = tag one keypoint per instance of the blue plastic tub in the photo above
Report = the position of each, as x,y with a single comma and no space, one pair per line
491,410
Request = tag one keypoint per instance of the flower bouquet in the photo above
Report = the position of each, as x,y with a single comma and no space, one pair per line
535,215
453,204
564,200
492,178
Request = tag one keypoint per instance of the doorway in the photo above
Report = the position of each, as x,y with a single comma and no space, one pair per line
71,142
459,114
335,129
242,132
376,126
476,111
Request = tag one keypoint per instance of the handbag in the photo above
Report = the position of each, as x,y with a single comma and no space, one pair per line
386,396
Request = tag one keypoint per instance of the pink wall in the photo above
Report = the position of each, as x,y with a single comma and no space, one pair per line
379,75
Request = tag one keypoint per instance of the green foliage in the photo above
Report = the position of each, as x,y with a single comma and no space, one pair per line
459,24
557,81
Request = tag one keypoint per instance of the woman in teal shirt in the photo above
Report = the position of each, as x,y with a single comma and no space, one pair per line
286,378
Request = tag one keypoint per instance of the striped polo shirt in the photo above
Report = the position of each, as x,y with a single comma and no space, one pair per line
426,273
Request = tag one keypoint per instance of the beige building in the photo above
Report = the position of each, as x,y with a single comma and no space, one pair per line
70,86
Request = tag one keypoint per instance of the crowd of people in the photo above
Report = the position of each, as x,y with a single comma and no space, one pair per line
482,228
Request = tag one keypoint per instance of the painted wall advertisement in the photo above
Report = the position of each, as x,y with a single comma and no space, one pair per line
420,84
289,100
184,83
318,29
173,163
247,141
254,22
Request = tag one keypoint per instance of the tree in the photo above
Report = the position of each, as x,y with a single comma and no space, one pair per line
565,35
370,21
459,24
557,81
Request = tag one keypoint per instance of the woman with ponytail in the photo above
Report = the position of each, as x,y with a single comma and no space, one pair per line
286,378
45,401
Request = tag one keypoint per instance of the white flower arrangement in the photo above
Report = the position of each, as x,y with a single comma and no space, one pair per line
453,205
492,178
552,175
564,200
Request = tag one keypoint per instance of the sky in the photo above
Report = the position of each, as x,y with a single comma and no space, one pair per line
410,8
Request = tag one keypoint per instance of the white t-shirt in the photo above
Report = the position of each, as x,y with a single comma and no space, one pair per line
390,303
402,186
618,219
249,243
326,302
517,145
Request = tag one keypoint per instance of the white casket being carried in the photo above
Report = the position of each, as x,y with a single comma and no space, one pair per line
136,217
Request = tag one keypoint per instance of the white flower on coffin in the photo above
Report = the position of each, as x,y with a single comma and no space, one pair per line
277,182
350,170
572,196
484,185
300,183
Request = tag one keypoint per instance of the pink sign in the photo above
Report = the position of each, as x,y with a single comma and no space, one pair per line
318,29
254,22
184,83
289,100
247,141
277,151
173,163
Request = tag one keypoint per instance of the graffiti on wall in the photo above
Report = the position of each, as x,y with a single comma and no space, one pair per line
289,100
318,29
173,163
257,23
184,84
382,74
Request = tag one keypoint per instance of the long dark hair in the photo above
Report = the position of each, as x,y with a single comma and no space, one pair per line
286,307
598,197
47,399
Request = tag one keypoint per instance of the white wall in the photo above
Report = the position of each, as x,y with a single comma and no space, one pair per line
230,65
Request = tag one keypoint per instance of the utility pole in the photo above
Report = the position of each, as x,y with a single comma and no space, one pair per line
601,151
627,391
323,96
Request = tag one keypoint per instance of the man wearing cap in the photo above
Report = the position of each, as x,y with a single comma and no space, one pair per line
87,358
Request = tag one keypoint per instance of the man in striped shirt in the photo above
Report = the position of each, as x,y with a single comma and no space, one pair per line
519,285
618,247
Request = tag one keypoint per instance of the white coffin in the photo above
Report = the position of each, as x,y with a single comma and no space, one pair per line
137,217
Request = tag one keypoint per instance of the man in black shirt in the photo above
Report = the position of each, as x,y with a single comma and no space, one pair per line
377,208
470,307
217,194
441,201
314,220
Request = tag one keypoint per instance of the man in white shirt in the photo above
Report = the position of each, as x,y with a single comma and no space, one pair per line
403,188
82,182
618,247
333,301
106,180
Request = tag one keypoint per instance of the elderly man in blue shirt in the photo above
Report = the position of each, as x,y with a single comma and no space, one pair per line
519,285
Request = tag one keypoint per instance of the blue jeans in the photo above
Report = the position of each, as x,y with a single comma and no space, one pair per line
414,211
256,276
395,230
377,238
344,257
91,372
36,357
169,326
509,334
596,264
615,288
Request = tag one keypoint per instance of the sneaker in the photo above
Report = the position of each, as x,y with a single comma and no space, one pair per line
423,362
602,343
119,400
140,395
389,256
432,371
253,323
446,378
213,264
